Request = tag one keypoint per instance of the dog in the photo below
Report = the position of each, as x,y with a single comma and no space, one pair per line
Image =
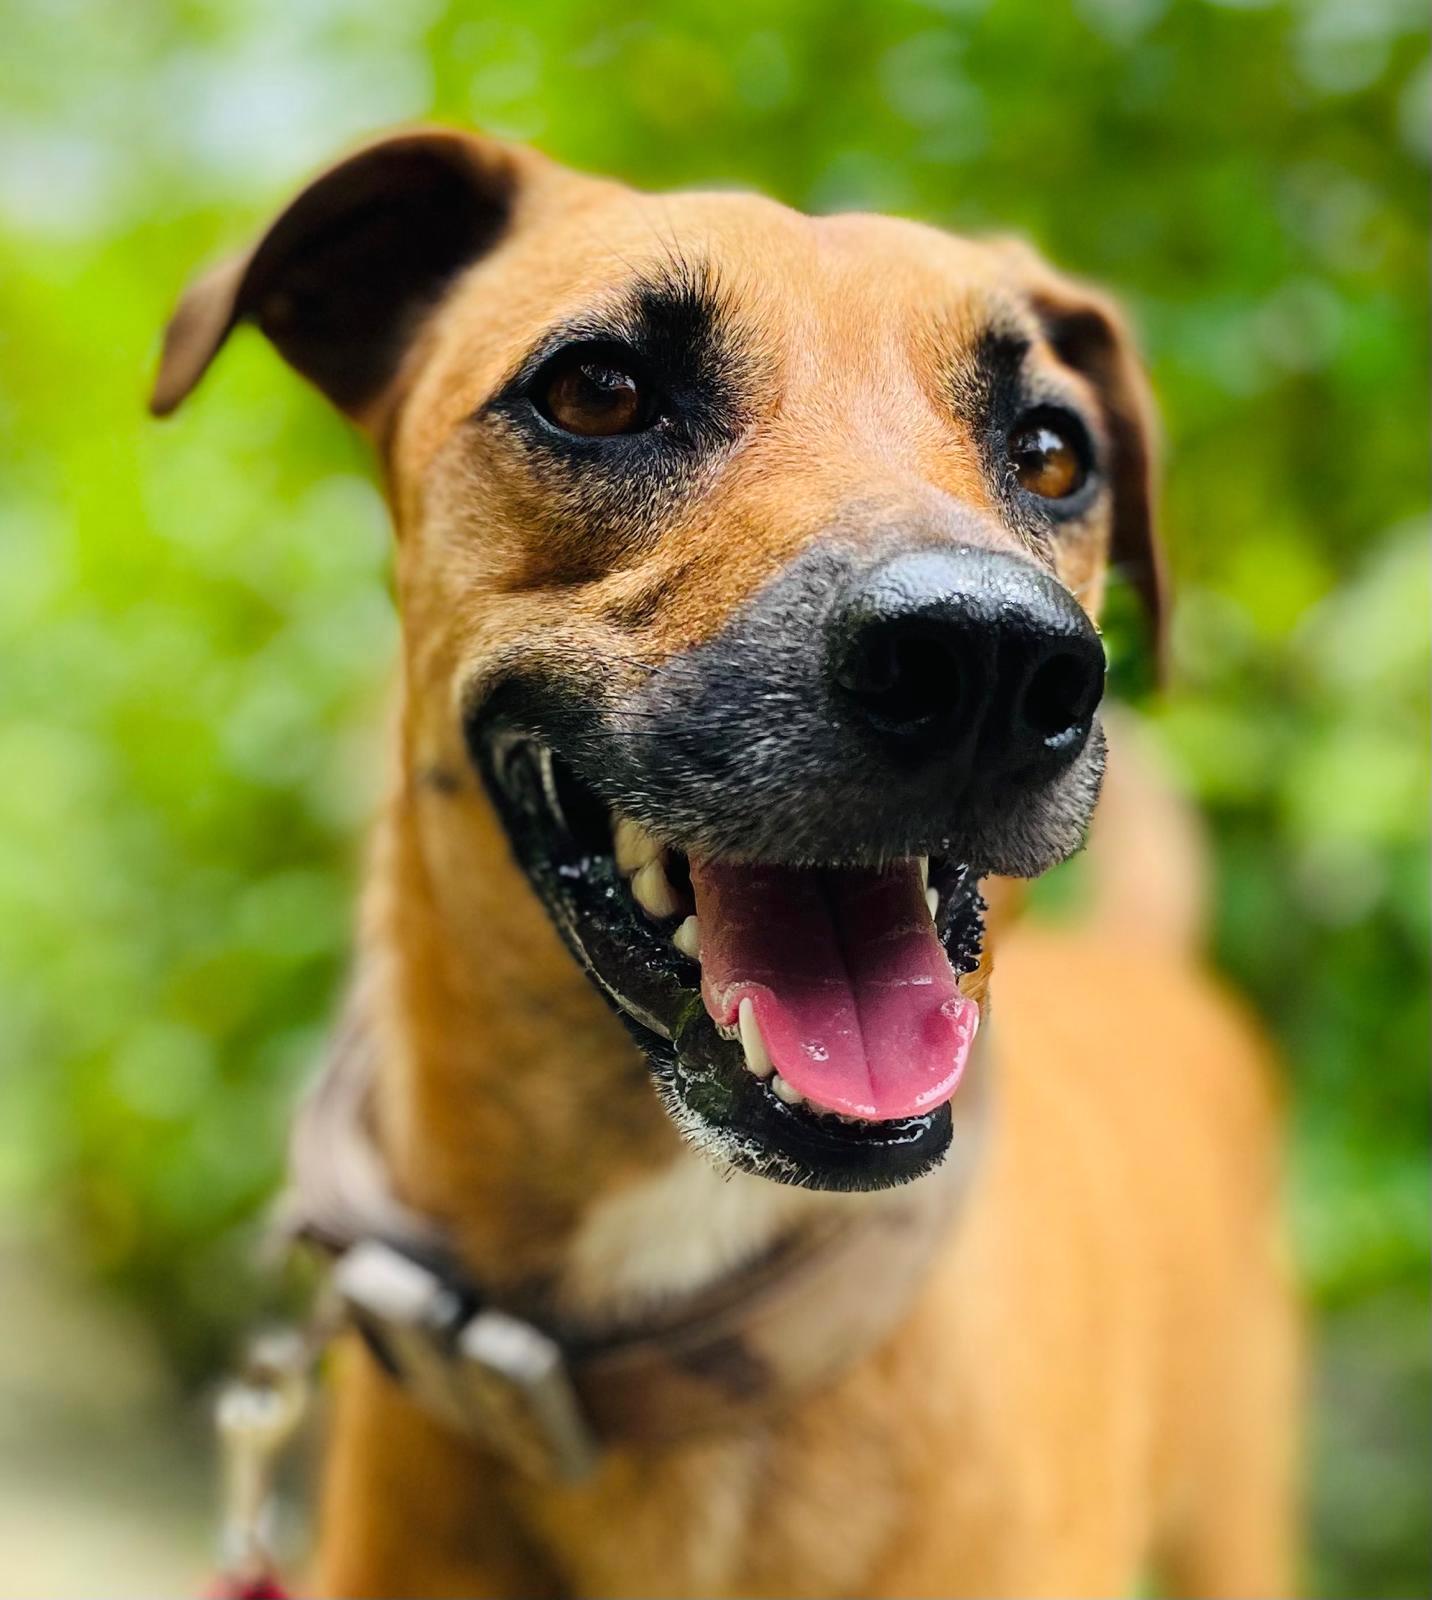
748,566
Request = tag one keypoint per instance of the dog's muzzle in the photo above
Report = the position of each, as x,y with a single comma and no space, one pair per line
766,855
938,700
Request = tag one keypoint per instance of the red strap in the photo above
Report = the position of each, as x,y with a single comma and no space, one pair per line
264,1587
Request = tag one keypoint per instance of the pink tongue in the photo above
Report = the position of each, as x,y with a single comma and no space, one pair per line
856,1001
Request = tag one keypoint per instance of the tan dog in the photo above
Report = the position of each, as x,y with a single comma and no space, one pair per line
746,564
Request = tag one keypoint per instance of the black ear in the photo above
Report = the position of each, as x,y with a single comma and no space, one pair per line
1087,332
344,276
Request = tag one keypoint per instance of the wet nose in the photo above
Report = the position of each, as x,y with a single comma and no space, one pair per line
964,652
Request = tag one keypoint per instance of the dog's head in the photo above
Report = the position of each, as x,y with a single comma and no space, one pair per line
751,558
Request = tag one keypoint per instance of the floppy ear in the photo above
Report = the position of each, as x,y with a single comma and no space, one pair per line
1088,333
343,278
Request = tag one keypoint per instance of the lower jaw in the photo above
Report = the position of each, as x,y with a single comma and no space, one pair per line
738,1120
700,1072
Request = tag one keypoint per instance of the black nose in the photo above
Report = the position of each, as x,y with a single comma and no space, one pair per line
966,655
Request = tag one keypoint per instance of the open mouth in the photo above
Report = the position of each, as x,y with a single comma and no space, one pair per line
804,1022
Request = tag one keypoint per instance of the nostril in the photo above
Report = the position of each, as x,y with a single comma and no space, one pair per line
903,681
871,667
1061,693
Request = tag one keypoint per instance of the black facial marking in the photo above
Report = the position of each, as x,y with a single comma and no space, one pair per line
675,332
994,388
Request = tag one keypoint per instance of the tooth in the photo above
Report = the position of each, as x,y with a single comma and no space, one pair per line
687,939
783,1091
924,871
633,846
752,1043
932,899
653,893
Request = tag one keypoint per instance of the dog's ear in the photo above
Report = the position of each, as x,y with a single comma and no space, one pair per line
1088,333
342,278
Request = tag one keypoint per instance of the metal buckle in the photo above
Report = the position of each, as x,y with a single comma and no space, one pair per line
487,1374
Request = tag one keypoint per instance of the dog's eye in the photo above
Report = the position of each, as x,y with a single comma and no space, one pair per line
594,395
1049,455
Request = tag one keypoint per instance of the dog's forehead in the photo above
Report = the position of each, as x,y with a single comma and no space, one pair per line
758,247
741,230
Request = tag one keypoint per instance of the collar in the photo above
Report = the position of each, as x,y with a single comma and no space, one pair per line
550,1399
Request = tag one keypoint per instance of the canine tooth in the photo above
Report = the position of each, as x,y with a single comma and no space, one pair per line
687,939
633,846
924,872
932,899
653,891
783,1091
752,1043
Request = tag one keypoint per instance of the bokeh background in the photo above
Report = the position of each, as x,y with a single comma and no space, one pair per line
196,631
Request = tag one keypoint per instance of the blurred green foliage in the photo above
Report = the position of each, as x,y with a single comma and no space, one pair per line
195,625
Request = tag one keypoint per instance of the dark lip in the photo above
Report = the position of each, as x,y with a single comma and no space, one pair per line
700,1075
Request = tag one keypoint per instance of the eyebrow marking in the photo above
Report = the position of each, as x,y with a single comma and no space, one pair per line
990,373
603,499
675,314
995,379
681,307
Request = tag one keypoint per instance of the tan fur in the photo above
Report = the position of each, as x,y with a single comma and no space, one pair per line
1099,1373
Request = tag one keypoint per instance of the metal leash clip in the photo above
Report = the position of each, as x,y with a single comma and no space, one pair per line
256,1416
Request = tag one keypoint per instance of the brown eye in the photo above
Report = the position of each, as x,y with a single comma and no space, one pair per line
1047,457
594,398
